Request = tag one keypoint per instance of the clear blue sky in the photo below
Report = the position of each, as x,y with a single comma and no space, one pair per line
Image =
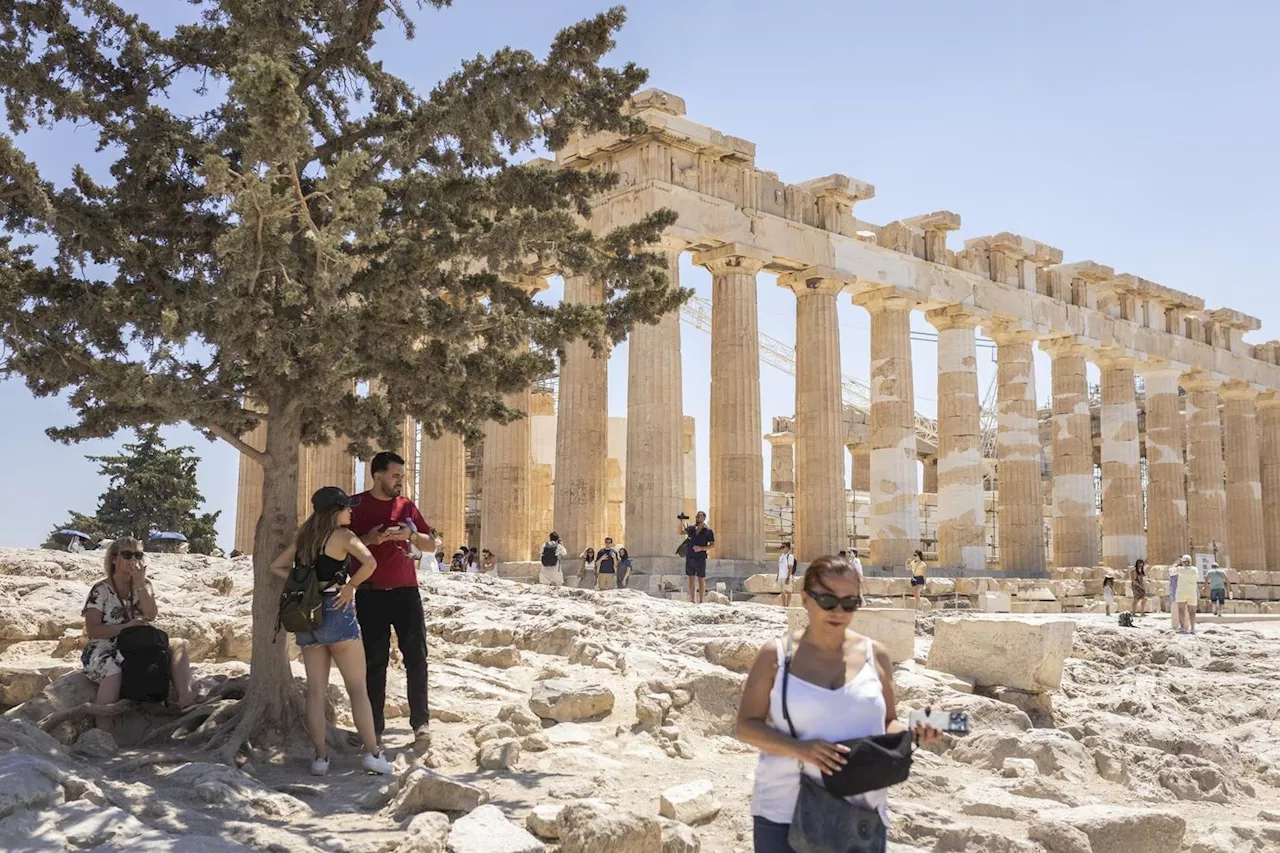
1138,134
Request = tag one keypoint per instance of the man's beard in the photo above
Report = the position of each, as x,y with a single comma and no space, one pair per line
396,490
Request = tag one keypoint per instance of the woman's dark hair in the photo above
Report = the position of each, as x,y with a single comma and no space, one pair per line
554,537
828,567
1140,564
589,554
920,555
623,555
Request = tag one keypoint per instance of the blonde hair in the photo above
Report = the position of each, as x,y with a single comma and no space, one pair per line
314,533
113,551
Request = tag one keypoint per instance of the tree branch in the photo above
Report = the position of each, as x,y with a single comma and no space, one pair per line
239,444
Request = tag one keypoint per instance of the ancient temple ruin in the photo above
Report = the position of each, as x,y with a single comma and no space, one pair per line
1210,436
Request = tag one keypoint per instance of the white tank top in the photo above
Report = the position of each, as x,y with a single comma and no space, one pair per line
855,709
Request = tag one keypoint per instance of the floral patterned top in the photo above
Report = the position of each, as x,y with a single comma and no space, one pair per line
99,657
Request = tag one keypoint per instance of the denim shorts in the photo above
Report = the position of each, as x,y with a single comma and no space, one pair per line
339,625
1217,596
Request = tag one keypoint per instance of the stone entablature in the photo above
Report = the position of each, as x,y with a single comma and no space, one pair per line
721,197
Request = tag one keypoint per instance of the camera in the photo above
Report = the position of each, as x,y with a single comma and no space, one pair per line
682,517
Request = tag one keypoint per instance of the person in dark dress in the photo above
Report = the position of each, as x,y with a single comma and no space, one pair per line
700,540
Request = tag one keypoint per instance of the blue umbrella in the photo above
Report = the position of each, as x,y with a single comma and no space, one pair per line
84,536
168,537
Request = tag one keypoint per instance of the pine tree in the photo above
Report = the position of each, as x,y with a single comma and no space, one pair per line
313,223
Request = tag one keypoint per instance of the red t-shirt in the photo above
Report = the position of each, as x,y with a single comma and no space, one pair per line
395,569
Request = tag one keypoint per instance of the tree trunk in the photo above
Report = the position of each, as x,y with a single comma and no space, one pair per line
271,710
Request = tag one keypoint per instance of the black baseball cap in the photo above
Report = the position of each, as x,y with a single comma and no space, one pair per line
332,496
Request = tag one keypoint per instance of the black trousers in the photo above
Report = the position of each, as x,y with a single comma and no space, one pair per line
380,610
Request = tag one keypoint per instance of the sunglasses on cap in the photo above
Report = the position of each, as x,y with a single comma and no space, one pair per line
827,601
130,555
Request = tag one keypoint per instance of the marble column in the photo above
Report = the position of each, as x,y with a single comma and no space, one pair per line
443,496
895,501
1075,517
689,455
408,451
655,420
820,527
1019,503
582,434
860,462
737,461
961,537
1206,488
782,462
1269,470
1166,469
504,484
1123,532
1246,542
542,412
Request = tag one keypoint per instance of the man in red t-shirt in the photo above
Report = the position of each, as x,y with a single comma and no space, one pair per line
387,522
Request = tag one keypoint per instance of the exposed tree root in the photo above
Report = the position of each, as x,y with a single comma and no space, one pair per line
125,706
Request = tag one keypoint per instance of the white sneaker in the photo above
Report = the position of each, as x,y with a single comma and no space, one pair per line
375,763
320,767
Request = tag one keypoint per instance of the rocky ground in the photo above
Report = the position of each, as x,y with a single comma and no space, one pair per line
580,721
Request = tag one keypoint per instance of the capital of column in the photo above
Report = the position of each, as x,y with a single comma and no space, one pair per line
781,439
1237,389
952,317
808,282
733,258
883,299
1069,347
670,243
1160,377
1004,334
1198,380
1115,358
1269,400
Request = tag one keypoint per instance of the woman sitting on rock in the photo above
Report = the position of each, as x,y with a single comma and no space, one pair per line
326,545
124,599
840,688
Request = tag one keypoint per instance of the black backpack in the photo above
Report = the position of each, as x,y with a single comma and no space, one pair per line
146,671
301,603
1126,619
549,555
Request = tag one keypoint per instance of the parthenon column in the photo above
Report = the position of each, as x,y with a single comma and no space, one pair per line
1206,490
582,436
737,463
1246,542
961,536
860,463
655,420
1075,520
1021,517
1166,471
820,527
1123,534
443,477
1269,469
782,462
895,502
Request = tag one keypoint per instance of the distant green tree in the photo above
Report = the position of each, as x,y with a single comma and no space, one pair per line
151,488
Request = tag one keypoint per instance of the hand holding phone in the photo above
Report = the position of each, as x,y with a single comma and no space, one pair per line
951,722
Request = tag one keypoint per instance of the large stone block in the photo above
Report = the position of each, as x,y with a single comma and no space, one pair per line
1119,829
995,602
762,584
892,627
1022,654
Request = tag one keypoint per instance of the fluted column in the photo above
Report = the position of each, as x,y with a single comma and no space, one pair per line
1018,448
409,453
860,462
1166,469
542,412
737,462
961,537
655,421
1269,470
1246,543
821,526
895,500
582,436
1123,533
442,498
1075,521
782,462
1206,489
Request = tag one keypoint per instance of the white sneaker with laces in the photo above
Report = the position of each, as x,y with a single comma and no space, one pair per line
320,767
375,762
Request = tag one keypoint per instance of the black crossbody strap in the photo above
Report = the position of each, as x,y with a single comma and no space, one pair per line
786,676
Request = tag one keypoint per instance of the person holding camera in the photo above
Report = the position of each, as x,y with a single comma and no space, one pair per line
699,540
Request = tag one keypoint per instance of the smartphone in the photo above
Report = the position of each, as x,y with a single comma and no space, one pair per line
952,722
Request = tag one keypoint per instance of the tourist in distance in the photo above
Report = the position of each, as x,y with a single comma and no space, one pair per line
1188,592
325,545
390,599
624,568
473,561
1109,593
607,565
1175,614
432,557
786,573
458,563
701,539
1138,584
553,551
916,566
587,573
1217,586
857,567
488,563
840,688
124,599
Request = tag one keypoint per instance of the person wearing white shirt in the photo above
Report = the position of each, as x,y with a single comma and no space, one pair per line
786,573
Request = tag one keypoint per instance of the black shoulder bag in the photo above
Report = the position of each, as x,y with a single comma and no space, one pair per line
824,821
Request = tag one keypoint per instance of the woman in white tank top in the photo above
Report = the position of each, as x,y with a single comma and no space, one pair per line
841,687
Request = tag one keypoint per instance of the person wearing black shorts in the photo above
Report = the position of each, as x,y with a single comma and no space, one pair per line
699,541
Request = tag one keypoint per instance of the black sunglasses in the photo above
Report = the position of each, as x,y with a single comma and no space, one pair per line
130,555
827,601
